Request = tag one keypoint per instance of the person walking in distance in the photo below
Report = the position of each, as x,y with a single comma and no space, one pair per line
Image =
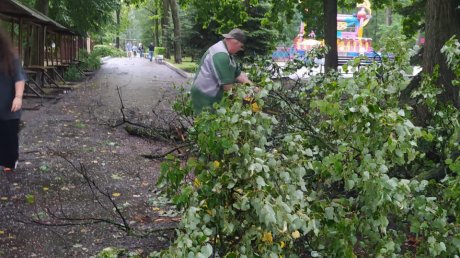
141,50
129,49
12,81
151,49
218,71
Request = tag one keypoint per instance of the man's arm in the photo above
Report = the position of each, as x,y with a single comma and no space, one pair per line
242,78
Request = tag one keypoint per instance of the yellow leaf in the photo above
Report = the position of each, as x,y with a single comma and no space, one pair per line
2,232
267,237
255,108
45,188
295,234
196,182
155,209
3,198
216,164
282,244
248,99
116,194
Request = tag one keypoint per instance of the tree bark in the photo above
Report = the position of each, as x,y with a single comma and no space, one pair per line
117,39
156,36
388,16
442,22
177,32
165,27
330,30
156,24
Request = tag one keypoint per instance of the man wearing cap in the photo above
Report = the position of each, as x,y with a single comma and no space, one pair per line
218,71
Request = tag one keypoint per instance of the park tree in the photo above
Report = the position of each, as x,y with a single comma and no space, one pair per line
442,21
153,20
261,36
118,23
330,34
213,18
169,11
177,31
438,21
361,190
81,16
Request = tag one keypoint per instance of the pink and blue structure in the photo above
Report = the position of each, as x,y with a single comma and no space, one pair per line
350,40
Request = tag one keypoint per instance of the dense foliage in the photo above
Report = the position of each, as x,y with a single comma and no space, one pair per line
159,51
328,167
81,16
92,61
104,50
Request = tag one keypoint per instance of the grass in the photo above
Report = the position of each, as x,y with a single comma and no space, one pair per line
187,64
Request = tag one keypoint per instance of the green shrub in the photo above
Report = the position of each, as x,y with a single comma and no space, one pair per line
159,51
72,74
83,54
93,62
104,50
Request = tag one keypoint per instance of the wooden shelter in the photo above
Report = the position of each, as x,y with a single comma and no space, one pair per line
46,47
30,29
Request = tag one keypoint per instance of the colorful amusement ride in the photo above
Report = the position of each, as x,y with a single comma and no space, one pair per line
350,40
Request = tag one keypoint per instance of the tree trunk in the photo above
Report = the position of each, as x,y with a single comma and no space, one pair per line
156,36
165,28
330,30
388,16
442,22
117,39
177,36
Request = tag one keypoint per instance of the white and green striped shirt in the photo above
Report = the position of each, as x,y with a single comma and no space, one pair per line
217,68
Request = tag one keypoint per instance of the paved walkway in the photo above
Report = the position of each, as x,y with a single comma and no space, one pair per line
77,127
142,82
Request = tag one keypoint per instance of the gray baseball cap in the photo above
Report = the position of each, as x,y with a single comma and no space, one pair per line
236,34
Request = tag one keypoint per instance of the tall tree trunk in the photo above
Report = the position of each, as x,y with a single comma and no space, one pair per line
388,16
330,30
177,36
156,24
165,28
442,22
157,29
117,39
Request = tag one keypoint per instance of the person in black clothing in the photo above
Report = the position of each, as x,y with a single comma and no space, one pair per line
141,50
151,49
12,81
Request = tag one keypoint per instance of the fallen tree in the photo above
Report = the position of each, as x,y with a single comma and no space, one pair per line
338,169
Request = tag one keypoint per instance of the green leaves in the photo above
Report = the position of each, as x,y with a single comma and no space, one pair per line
336,161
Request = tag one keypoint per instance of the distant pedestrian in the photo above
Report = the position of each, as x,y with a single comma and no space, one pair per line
12,81
129,49
141,50
134,50
151,49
